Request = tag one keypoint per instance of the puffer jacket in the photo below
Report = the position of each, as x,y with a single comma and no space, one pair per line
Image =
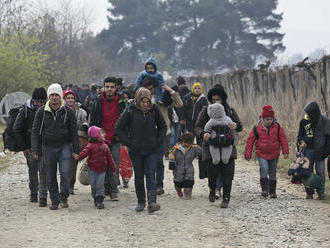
203,118
99,157
23,126
184,162
269,144
54,129
142,132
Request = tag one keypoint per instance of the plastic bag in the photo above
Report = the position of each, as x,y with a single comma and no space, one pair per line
83,176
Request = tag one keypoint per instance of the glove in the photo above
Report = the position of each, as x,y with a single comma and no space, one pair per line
171,165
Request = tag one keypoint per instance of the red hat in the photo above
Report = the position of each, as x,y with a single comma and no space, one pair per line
68,92
267,111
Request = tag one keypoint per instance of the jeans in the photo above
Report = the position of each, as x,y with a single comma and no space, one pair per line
144,165
74,173
160,166
159,93
97,182
320,170
51,156
111,181
34,167
219,183
226,172
174,134
267,168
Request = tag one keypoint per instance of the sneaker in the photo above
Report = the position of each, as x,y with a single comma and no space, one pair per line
321,196
264,194
140,207
53,207
42,202
224,203
114,197
34,198
180,194
160,191
309,197
64,204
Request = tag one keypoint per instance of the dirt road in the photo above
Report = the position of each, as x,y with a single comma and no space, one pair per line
289,221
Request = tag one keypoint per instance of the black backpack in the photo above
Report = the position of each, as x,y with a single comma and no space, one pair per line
257,135
9,141
223,137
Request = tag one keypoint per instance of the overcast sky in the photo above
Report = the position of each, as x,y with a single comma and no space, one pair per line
306,23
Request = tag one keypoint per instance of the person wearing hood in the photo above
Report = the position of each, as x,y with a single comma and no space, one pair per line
151,70
226,171
193,104
22,131
55,137
139,117
314,141
70,98
104,114
183,91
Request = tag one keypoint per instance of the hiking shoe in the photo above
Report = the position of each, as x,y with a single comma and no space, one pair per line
321,196
42,202
160,191
224,203
309,197
264,194
153,207
212,196
114,197
53,207
273,196
140,207
34,198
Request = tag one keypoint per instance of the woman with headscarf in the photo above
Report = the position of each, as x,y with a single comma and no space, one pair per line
142,129
226,171
193,104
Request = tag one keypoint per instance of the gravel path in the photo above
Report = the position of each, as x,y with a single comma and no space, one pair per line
289,221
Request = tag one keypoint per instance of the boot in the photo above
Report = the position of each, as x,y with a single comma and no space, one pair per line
33,197
224,203
212,195
187,193
272,189
99,202
264,187
64,203
42,202
140,207
114,197
141,195
179,191
152,204
53,206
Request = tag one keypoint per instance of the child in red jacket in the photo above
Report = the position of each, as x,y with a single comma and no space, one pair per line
268,137
99,158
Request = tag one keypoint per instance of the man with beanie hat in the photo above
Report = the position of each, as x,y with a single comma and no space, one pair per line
22,131
54,131
225,171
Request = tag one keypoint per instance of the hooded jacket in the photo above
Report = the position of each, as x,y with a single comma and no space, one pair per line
156,74
321,131
54,129
143,132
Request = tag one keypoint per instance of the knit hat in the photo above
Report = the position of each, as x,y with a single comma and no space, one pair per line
94,132
54,89
267,111
196,84
140,94
217,90
68,92
216,111
181,81
39,94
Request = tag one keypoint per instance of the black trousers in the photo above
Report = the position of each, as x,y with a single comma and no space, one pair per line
226,172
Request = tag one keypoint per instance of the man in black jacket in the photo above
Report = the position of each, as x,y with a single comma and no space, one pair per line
104,114
54,131
314,140
22,131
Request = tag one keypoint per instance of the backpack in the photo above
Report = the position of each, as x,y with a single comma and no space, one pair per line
223,137
9,141
257,135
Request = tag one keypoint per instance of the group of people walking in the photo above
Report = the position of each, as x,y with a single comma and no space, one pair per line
56,132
